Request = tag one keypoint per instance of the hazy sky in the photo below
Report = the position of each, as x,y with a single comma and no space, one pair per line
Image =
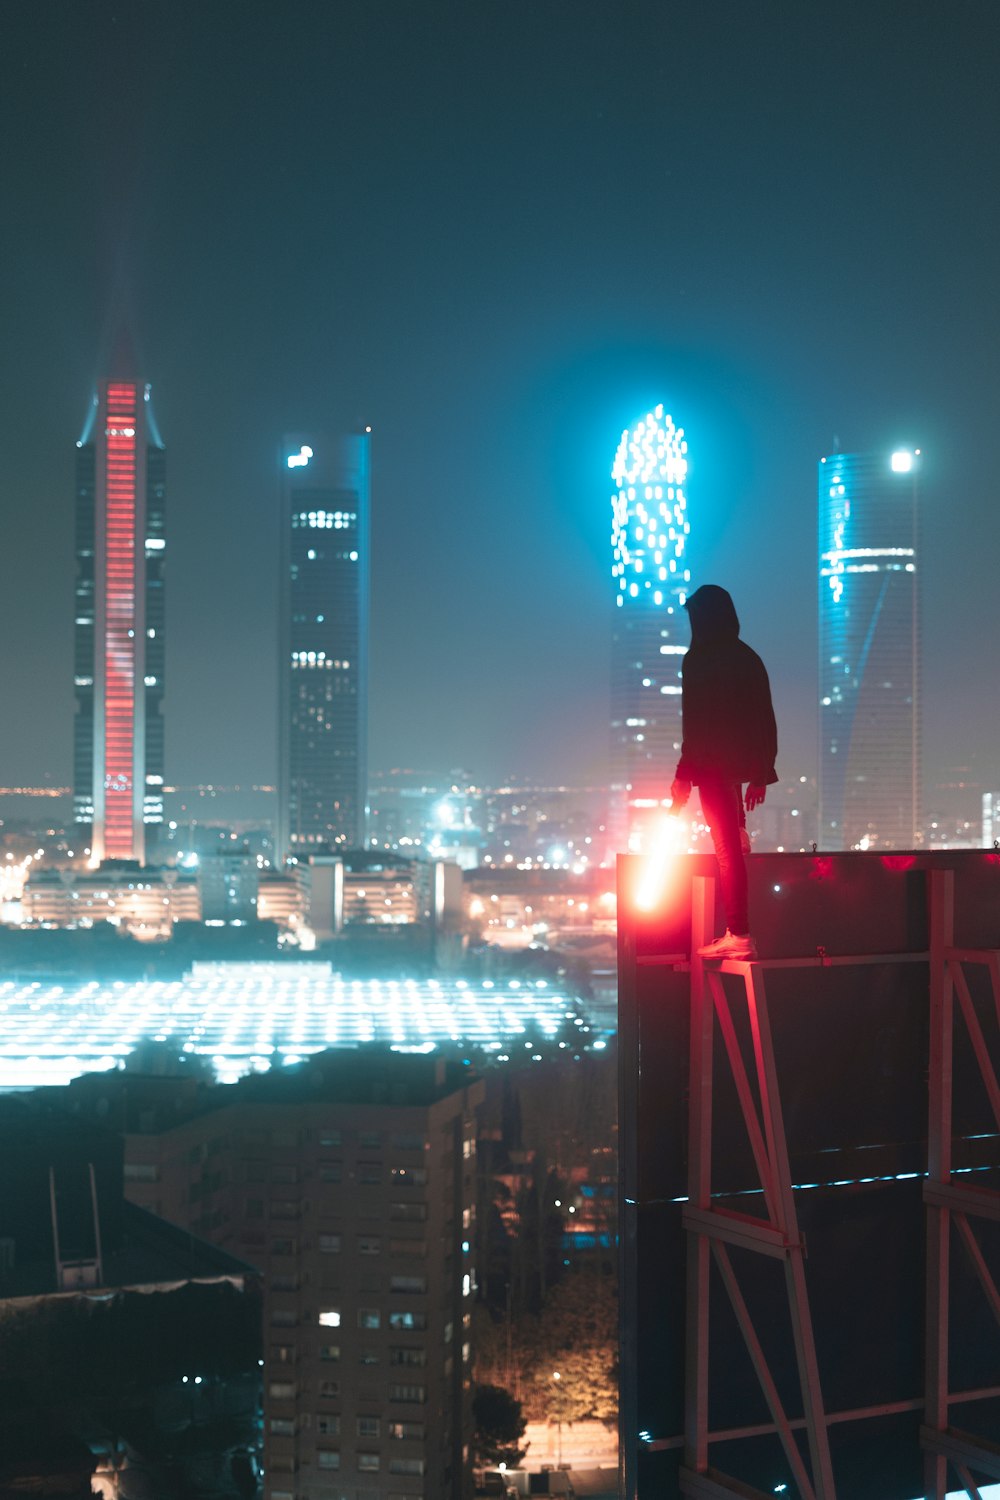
499,231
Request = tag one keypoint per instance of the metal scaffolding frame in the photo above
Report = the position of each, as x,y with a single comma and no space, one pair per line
711,1229
951,1202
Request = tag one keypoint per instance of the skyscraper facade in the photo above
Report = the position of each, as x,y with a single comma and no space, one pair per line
869,651
649,630
323,711
118,760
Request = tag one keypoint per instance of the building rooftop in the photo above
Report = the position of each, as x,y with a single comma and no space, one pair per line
152,1254
147,1104
247,1017
66,1226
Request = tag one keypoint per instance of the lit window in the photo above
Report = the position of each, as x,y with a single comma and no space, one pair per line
413,1322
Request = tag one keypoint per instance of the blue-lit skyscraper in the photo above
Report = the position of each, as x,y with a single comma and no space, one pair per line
650,630
869,651
323,712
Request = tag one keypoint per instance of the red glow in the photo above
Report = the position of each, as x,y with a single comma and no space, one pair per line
993,858
119,633
667,841
822,868
899,861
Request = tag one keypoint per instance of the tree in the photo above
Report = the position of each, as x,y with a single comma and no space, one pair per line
577,1335
499,1426
586,1388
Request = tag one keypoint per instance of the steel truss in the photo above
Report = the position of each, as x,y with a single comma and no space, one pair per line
712,1229
950,1201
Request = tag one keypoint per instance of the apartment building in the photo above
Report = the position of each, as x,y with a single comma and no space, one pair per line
349,1182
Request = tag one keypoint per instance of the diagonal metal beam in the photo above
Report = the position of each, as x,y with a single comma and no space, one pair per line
763,1372
765,1167
767,1084
993,964
715,1486
971,1488
979,1265
976,1036
795,1278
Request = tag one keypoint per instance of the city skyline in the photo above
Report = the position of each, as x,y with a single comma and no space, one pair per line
310,268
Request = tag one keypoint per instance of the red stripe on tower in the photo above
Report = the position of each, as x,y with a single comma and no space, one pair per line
119,643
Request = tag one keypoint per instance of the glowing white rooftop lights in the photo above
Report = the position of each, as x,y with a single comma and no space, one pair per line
250,1017
648,508
300,459
902,462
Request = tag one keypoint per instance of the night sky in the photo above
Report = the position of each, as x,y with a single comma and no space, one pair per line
499,231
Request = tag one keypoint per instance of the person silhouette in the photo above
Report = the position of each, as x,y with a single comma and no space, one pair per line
729,738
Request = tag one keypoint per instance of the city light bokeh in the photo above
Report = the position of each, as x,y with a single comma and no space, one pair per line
248,1017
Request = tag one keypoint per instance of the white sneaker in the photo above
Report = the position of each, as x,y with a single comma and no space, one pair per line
730,945
745,845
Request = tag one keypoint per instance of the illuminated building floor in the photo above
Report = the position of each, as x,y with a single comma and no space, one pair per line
251,1016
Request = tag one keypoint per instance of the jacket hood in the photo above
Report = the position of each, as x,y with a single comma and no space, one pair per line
712,614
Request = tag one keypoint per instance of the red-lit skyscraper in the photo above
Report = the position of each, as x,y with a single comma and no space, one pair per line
119,615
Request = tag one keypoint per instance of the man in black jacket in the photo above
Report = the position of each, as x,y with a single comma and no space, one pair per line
729,738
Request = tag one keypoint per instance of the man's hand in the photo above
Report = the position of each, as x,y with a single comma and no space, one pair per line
754,797
680,791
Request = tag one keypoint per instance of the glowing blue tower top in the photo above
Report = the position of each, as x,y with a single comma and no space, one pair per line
649,632
649,512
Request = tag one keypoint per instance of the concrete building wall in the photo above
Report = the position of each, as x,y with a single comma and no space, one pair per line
361,1218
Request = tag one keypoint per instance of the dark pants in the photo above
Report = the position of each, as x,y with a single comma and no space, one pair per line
722,804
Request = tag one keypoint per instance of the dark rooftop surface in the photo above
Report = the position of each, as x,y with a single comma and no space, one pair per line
151,1253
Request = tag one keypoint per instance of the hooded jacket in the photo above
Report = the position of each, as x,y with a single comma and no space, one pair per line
729,729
